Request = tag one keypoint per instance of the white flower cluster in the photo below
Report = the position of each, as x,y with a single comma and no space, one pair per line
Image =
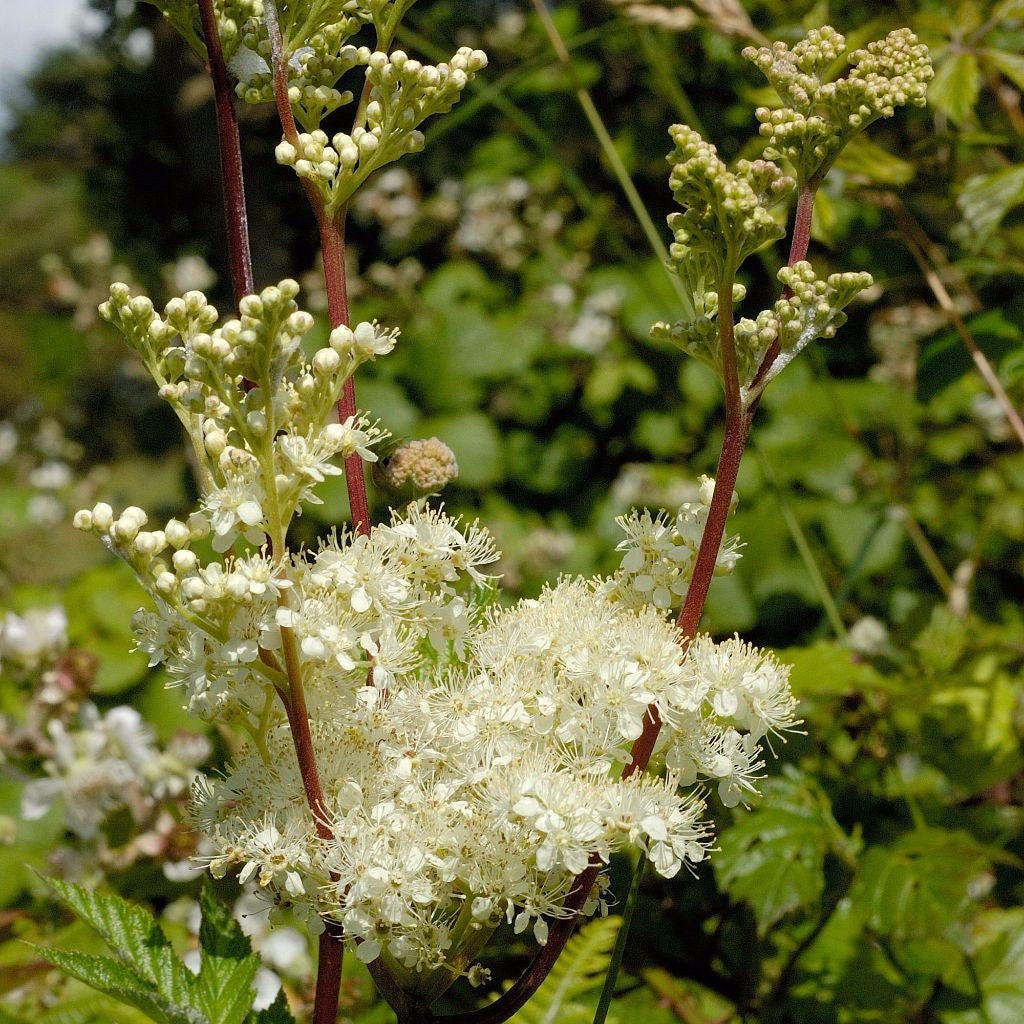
819,117
403,94
359,601
660,553
475,794
104,762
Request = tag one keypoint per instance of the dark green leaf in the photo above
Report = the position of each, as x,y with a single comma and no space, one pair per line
276,1013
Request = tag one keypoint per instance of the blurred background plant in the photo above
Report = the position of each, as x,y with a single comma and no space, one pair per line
882,508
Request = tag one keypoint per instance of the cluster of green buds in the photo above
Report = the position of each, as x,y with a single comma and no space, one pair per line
257,410
233,20
727,213
403,94
818,117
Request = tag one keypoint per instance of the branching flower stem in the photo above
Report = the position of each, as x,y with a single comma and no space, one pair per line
738,420
236,218
331,228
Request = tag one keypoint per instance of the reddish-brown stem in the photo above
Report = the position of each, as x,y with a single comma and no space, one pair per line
332,241
798,247
236,219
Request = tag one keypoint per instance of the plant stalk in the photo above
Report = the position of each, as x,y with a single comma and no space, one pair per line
232,178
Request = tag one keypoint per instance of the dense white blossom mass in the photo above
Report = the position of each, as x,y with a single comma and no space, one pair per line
470,752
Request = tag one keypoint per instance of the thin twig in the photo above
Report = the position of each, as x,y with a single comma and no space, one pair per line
611,153
942,296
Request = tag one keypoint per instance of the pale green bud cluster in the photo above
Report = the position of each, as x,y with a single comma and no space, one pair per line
812,308
404,93
257,411
819,117
726,214
314,71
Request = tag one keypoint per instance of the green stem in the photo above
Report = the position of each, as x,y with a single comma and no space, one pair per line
612,155
621,937
796,531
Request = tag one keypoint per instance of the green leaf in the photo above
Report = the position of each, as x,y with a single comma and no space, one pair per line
135,937
998,970
227,964
868,159
916,893
944,359
773,857
987,198
94,1008
955,87
149,976
116,980
1009,64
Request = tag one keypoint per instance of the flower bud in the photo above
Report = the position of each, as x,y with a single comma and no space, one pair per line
184,561
102,517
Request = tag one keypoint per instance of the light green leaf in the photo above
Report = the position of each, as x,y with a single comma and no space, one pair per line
773,858
987,198
864,157
116,980
227,964
955,87
134,936
94,1008
916,893
999,968
1009,64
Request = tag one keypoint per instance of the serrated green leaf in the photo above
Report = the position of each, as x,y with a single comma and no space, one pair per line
135,937
94,1008
916,893
227,964
954,89
773,858
987,198
119,981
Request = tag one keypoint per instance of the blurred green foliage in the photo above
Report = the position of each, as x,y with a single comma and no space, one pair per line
882,505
